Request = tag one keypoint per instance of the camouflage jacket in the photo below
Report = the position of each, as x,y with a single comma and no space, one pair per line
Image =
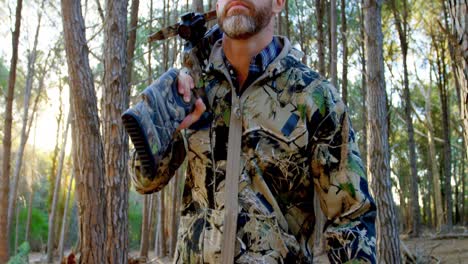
296,135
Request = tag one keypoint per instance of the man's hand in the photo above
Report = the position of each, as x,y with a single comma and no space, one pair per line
184,86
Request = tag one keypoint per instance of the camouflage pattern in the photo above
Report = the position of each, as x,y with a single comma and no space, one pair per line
296,142
158,114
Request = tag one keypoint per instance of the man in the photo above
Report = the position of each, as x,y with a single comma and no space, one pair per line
294,135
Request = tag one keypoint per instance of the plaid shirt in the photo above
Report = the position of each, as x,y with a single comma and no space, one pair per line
258,64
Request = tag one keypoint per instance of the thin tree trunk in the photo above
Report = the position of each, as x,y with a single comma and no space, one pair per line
28,219
319,216
32,190
170,214
176,210
53,169
439,213
152,227
24,131
320,36
150,71
333,44
132,42
88,165
302,41
145,227
388,242
286,19
444,101
459,14
58,177
17,215
197,6
115,101
64,220
363,84
5,176
160,237
344,40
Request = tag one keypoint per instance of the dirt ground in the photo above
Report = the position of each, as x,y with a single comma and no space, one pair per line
450,251
454,250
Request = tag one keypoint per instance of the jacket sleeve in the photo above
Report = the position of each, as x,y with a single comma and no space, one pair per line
158,115
339,179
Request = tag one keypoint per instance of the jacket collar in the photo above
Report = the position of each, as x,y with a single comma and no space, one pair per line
283,62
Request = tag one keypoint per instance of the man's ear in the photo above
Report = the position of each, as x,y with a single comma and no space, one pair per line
278,6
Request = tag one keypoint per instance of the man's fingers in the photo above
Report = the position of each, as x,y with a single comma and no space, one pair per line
193,117
184,85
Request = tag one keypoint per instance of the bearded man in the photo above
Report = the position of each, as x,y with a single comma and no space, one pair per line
267,132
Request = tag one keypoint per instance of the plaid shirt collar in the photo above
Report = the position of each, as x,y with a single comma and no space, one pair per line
258,64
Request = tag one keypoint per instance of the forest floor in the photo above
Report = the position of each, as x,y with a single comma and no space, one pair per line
450,250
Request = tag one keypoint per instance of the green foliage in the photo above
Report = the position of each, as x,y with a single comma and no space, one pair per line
38,228
22,256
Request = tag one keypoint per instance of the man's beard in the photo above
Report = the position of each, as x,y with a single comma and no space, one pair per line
242,26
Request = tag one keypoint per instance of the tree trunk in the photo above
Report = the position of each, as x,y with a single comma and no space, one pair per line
333,44
319,6
402,29
388,242
444,102
176,210
17,214
32,189
152,224
459,14
5,176
286,19
58,177
132,42
197,6
87,144
144,245
161,249
319,216
53,168
344,39
439,213
115,101
64,220
363,84
28,219
24,129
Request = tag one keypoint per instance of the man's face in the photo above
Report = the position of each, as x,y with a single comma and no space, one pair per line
241,19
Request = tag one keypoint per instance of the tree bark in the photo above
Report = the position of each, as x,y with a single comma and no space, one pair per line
132,42
115,102
64,220
144,245
344,40
388,242
5,176
319,6
88,165
363,84
58,177
333,45
160,248
459,15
